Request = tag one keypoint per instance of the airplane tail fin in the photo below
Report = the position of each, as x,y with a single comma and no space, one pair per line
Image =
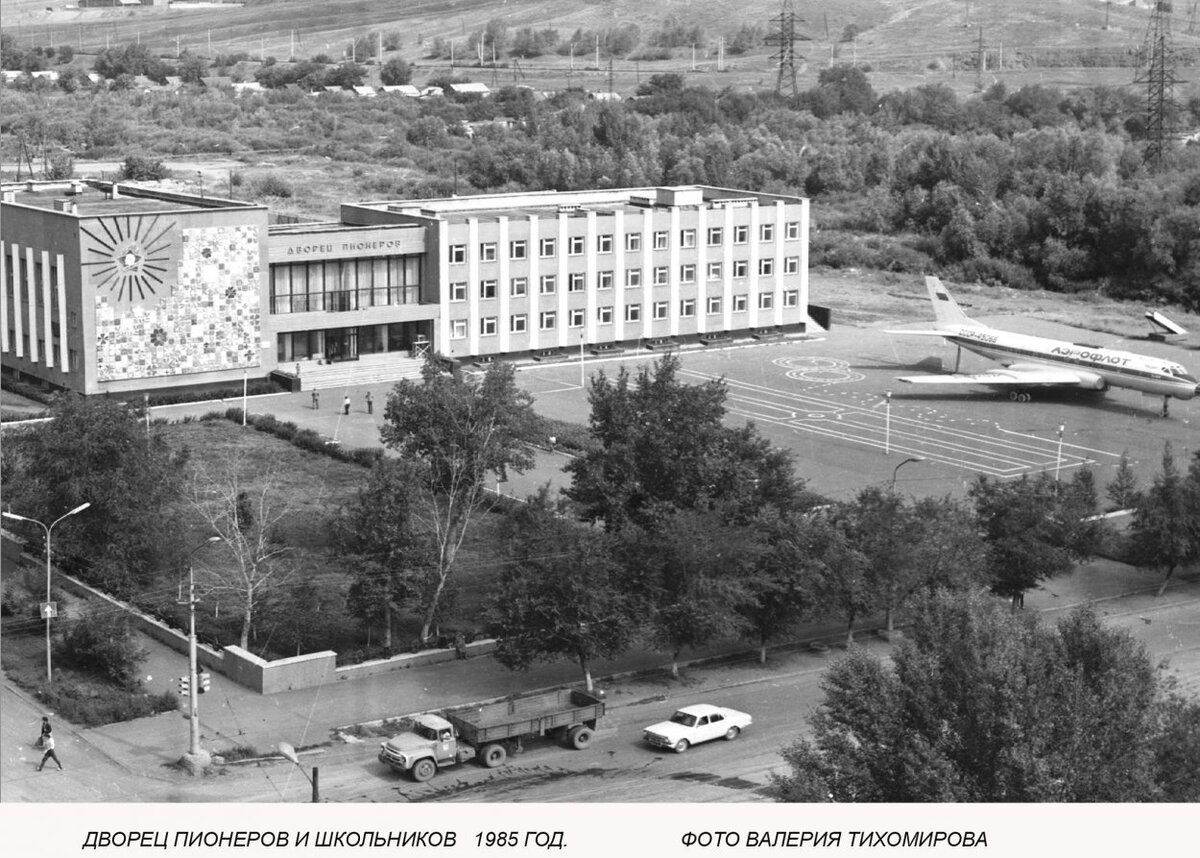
945,310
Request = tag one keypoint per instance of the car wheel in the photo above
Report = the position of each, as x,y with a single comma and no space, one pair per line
494,755
424,770
732,733
580,737
682,745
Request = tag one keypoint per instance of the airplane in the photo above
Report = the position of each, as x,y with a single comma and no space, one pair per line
1029,362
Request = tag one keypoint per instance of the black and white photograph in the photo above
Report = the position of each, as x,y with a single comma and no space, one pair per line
670,428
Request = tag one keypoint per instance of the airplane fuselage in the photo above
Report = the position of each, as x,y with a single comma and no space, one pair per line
1098,368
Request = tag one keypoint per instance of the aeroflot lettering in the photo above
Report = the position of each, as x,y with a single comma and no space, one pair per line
1097,357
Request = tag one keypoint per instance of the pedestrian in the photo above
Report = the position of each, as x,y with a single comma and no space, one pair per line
370,403
48,744
316,398
346,404
46,731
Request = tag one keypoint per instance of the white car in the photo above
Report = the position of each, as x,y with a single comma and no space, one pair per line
694,724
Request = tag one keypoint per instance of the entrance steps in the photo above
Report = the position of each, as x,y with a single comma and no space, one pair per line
369,369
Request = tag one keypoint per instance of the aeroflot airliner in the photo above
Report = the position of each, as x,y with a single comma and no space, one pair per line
1030,362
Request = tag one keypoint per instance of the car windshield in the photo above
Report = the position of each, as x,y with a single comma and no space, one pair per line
684,719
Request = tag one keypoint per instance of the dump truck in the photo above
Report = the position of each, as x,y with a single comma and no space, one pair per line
489,733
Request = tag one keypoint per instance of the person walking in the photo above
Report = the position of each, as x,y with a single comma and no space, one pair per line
46,731
316,399
48,744
346,404
370,403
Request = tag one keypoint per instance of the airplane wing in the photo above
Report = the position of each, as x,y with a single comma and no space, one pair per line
1013,376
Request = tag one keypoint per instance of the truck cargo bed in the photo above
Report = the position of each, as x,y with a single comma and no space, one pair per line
525,716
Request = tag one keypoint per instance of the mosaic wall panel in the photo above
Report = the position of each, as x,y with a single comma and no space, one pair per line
208,319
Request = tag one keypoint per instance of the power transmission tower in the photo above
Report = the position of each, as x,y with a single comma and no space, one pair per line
1156,69
783,35
1191,30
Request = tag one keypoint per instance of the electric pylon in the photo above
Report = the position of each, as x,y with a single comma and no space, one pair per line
1156,69
783,35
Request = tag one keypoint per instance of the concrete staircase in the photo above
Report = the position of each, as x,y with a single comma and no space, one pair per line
369,369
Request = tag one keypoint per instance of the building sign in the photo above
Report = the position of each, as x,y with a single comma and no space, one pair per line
339,243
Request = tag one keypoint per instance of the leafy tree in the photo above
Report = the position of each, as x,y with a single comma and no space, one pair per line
1123,492
102,643
1165,530
395,72
143,168
983,704
192,68
845,589
97,450
562,594
461,432
378,536
840,89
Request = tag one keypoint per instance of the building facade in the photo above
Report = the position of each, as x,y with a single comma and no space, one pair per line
111,288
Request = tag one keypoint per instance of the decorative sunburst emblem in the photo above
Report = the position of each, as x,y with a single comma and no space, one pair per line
131,255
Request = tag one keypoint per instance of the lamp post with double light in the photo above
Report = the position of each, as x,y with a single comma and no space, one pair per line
47,608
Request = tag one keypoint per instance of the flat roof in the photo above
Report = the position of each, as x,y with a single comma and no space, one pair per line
91,198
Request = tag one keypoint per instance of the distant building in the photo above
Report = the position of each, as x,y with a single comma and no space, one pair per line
115,289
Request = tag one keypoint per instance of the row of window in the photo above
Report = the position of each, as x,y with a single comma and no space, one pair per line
576,281
548,247
576,318
345,284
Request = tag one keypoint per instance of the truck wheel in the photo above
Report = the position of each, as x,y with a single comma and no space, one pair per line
682,745
423,770
580,737
494,755
732,733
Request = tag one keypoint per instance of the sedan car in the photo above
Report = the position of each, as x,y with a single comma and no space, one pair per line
694,724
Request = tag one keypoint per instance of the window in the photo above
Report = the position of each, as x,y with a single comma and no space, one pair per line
766,267
633,278
487,288
687,308
714,271
547,320
548,284
576,281
791,230
458,291
487,326
660,275
766,232
740,268
660,309
739,303
575,245
458,329
604,279
715,234
633,241
518,249
660,240
633,312
458,253
604,315
741,234
487,252
518,323
714,306
687,273
519,287
687,238
791,298
766,300
546,247
576,318
791,265
604,244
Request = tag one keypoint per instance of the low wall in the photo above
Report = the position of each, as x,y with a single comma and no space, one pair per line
416,659
285,674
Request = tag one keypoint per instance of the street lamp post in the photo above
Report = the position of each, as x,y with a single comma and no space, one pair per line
193,677
46,608
290,753
1058,461
887,432
896,470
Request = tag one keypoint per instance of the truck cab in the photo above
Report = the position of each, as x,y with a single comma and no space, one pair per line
431,743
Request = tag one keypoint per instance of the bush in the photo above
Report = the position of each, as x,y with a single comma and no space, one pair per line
271,185
102,644
143,168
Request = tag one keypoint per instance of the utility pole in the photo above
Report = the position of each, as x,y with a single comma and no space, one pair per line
980,62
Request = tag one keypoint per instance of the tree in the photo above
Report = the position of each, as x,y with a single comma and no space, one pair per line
1165,531
378,536
461,432
96,450
102,644
1123,492
562,594
395,72
246,513
984,704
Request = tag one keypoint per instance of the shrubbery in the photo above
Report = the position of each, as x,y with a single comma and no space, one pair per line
102,644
